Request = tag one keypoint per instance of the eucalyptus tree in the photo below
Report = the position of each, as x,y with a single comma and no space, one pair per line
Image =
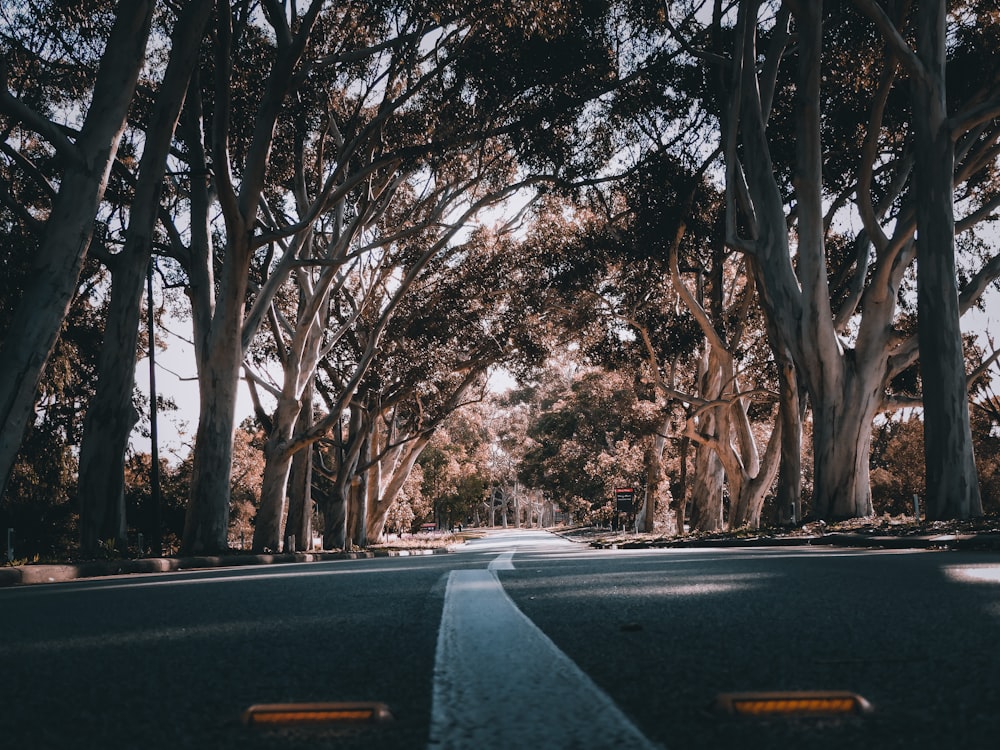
240,188
488,298
625,318
381,89
38,501
817,128
94,55
395,248
687,329
387,401
507,424
110,414
940,128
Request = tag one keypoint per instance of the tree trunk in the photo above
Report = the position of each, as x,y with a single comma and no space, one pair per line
205,525
267,534
400,473
38,317
706,490
654,480
709,475
300,481
110,414
845,388
357,516
335,518
207,520
842,422
357,510
335,515
952,482
789,490
748,501
681,495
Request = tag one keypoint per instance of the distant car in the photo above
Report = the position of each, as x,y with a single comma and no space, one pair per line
428,527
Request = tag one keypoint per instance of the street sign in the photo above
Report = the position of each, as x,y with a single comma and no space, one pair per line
625,499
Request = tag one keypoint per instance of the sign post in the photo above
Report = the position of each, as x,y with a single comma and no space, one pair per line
625,499
624,503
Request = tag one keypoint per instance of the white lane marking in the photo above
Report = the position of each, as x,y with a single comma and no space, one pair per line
501,683
503,561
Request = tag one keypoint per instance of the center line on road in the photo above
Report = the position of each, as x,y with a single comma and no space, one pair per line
503,561
500,682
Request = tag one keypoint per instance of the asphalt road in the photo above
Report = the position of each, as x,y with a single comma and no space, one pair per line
172,661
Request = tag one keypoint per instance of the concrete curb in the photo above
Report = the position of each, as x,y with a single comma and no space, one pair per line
34,574
865,541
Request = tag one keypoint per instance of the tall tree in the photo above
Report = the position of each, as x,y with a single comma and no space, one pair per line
951,480
834,298
110,414
433,85
86,156
220,343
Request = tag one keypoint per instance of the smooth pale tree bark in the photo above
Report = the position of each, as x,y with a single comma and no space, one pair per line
847,357
949,150
708,479
656,496
752,484
400,473
267,533
952,480
788,494
301,361
357,511
845,391
300,480
791,412
110,414
206,522
299,366
35,325
335,531
397,462
845,398
731,438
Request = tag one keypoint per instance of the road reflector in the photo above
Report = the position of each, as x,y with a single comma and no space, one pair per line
793,703
315,714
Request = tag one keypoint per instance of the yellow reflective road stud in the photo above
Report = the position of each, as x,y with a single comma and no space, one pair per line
315,714
792,704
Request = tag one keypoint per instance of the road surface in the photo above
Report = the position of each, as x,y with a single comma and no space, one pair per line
519,640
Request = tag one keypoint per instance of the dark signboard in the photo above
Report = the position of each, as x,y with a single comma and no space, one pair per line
625,499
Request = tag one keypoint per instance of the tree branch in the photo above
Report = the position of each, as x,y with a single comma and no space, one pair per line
894,39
